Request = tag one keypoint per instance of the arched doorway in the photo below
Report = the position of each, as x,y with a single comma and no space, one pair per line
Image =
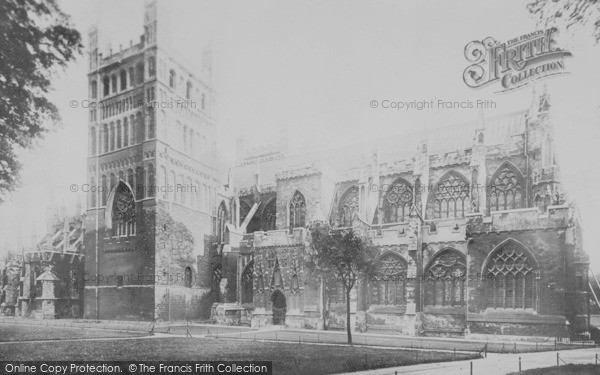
279,307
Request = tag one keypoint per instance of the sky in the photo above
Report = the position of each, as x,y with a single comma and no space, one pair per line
310,69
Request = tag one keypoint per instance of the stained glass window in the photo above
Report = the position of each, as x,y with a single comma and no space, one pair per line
445,279
450,197
506,191
510,276
388,282
397,202
123,211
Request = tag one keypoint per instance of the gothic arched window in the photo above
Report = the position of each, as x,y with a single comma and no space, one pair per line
248,283
348,206
297,211
506,190
221,217
449,198
397,202
123,211
510,275
388,281
269,215
445,279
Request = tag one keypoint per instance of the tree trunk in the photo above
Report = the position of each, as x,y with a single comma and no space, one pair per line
348,324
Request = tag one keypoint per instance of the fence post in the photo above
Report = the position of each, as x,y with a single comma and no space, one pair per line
471,368
555,343
519,364
557,359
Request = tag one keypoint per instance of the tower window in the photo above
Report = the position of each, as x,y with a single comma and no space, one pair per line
123,79
172,79
94,89
151,66
297,211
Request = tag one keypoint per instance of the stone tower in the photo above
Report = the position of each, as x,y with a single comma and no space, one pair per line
152,178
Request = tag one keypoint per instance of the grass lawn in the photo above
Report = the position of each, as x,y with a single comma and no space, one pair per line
287,358
13,332
563,370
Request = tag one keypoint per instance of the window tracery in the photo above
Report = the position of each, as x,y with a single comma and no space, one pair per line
450,197
297,211
388,281
510,275
445,279
397,202
506,191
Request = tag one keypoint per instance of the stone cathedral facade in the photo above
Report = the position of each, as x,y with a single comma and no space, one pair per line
474,232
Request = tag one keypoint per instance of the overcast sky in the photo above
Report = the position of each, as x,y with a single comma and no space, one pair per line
312,68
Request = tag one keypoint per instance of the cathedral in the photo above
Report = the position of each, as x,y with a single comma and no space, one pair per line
475,235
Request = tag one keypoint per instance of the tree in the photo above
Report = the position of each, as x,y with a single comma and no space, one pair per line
344,254
36,39
570,14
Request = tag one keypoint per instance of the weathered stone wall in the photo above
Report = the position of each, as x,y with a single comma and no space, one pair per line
131,258
180,245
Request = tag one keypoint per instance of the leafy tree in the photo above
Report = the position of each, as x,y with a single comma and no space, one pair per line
35,40
569,14
344,254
